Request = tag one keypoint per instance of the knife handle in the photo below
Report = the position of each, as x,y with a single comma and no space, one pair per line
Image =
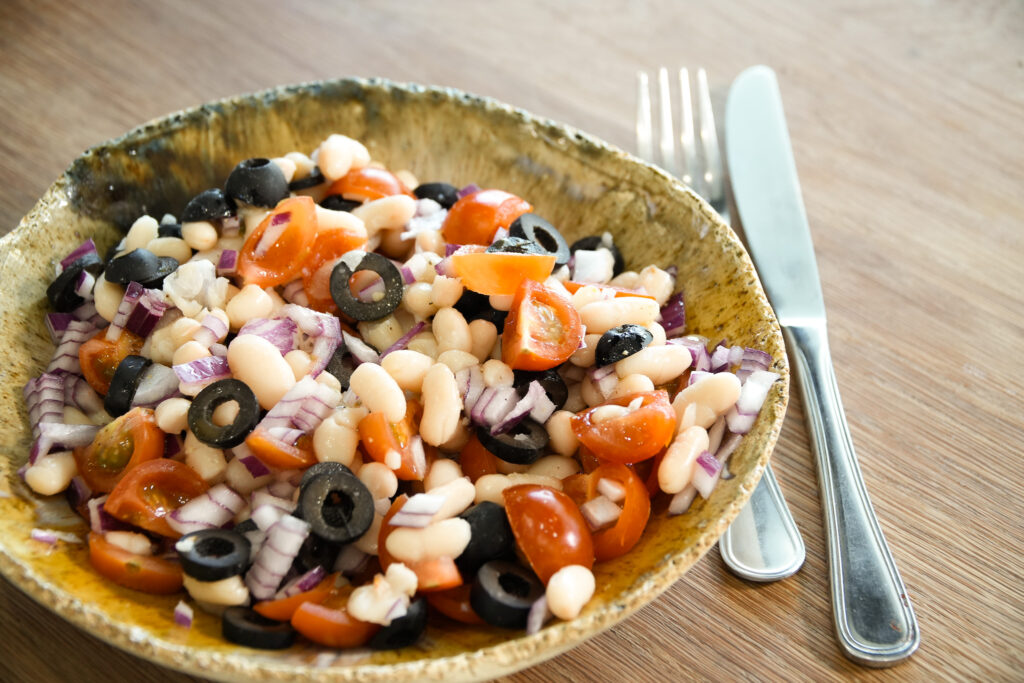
874,621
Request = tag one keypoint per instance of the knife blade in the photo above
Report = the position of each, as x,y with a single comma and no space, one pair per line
875,623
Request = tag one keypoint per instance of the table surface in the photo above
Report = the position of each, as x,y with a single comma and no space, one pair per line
906,121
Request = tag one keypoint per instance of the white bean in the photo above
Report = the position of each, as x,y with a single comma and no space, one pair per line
386,213
107,297
506,467
497,374
658,283
133,542
628,279
207,461
381,333
676,468
183,330
425,343
457,360
430,241
143,231
584,356
449,537
590,393
379,479
574,401
440,473
601,316
188,352
490,486
287,166
337,438
562,439
442,405
258,363
588,294
328,219
172,415
334,156
300,362
451,330
229,591
51,473
407,178
378,391
303,164
568,590
557,466
200,235
661,363
501,302
458,495
418,300
459,440
225,413
657,334
250,302
702,402
175,247
368,541
407,368
632,384
484,335
446,291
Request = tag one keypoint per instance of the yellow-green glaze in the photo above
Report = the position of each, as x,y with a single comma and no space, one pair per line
581,184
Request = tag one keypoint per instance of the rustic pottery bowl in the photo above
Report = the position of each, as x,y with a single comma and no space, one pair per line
580,184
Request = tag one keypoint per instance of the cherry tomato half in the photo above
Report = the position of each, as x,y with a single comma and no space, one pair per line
620,538
138,572
476,460
380,437
549,528
634,436
150,491
283,609
498,272
118,447
368,183
328,247
274,253
328,622
542,329
434,574
454,604
276,453
99,358
476,217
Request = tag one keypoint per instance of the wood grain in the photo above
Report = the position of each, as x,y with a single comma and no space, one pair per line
906,125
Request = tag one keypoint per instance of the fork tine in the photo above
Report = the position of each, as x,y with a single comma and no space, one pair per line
713,168
668,142
644,132
686,134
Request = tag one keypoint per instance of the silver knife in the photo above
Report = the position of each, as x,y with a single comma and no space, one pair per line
875,624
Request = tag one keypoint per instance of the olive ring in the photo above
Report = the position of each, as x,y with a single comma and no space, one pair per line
342,294
200,413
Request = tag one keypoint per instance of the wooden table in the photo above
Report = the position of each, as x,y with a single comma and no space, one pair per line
907,123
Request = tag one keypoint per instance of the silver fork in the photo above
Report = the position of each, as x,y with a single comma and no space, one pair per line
763,543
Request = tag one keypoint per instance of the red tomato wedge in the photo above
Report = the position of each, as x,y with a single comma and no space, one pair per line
276,453
620,538
138,572
635,435
368,183
328,622
275,252
436,574
618,291
454,604
99,358
118,447
283,609
476,217
152,490
497,272
476,460
549,529
380,437
542,329
329,245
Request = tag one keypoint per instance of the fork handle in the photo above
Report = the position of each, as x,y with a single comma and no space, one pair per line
874,621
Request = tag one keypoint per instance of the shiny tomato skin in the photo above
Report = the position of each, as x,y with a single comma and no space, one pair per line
282,609
434,574
454,604
476,461
368,183
549,529
379,437
542,329
99,358
332,626
150,491
498,273
329,246
636,436
131,439
622,536
293,222
139,572
276,453
475,218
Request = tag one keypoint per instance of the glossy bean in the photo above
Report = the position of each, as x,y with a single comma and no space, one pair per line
661,364
702,402
601,316
440,473
676,468
258,363
143,231
484,335
172,415
386,213
407,368
52,473
200,235
442,405
378,391
175,247
446,538
569,589
379,479
562,439
451,330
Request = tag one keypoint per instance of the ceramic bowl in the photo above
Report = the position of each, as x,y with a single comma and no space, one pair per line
582,185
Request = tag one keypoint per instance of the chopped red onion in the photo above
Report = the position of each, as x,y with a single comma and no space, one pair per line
474,387
43,536
65,357
611,489
729,445
254,465
673,315
753,393
280,332
360,350
261,497
214,508
59,436
212,330
538,616
715,433
87,313
100,520
472,188
302,583
44,398
408,277
295,293
536,399
604,379
600,512
278,224
267,515
706,474
183,614
275,556
753,359
696,376
158,383
681,502
720,358
173,445
86,247
450,248
78,492
132,293
195,375
419,453
227,264
418,511
282,488
404,340
444,266
84,284
78,393
56,323
698,350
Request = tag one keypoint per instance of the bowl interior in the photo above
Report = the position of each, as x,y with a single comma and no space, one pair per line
580,184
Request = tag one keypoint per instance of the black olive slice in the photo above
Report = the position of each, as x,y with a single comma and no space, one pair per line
341,366
169,230
490,537
475,306
213,554
322,468
208,205
595,242
403,631
337,506
534,228
316,552
341,292
621,342
138,265
123,384
444,194
521,445
61,292
245,526
336,202
554,385
243,626
200,413
515,245
315,177
258,182
166,266
503,593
